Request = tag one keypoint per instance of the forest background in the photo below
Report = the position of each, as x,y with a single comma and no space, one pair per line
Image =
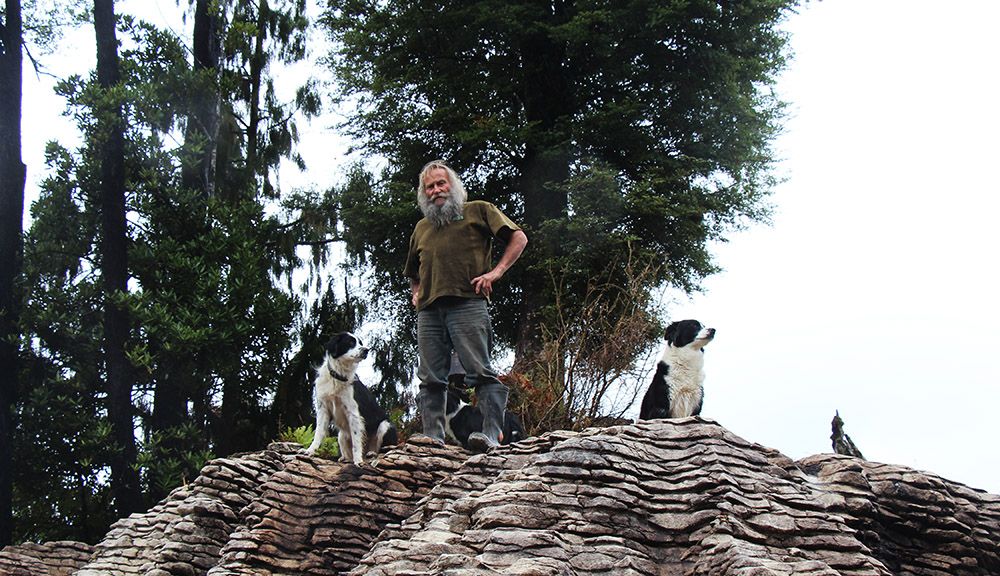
235,270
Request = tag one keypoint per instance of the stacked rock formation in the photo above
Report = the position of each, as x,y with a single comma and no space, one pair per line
663,497
688,497
183,534
318,517
51,558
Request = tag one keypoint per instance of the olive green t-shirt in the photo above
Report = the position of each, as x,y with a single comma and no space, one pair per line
445,260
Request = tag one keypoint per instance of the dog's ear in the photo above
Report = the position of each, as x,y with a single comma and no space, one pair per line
683,332
671,335
339,344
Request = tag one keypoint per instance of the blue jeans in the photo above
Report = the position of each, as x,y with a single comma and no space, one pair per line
462,325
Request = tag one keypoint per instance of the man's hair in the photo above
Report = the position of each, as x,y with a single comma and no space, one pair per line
453,208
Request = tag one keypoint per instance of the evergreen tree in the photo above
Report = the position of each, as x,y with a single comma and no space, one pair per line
211,329
259,128
201,132
114,264
12,174
176,384
621,132
261,35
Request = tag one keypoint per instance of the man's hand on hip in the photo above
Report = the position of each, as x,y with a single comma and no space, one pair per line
484,284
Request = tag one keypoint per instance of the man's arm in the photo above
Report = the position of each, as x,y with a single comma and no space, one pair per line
515,245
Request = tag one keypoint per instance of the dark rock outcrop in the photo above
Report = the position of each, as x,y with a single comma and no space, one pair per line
663,497
842,443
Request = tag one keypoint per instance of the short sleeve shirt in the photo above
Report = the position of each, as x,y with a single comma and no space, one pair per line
445,260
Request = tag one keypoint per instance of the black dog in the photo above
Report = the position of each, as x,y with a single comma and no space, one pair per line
462,419
676,390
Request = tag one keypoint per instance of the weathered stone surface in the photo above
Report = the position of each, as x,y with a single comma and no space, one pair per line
320,517
688,497
183,534
51,558
681,497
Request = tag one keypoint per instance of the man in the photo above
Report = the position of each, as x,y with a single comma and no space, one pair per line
451,278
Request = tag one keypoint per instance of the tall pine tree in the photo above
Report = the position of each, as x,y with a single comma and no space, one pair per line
12,174
114,265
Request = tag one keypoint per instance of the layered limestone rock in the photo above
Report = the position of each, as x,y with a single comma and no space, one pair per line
51,558
320,517
183,534
689,497
666,497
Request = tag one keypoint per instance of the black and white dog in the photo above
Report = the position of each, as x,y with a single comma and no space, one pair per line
340,398
462,419
676,390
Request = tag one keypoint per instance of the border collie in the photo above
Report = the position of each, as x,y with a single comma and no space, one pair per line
676,390
341,399
462,419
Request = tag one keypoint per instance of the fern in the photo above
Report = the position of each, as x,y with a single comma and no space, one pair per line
303,435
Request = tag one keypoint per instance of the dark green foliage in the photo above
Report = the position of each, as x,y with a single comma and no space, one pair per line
61,431
60,421
262,127
211,328
602,127
319,223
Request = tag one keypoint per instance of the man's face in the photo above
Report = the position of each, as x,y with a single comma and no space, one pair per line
437,187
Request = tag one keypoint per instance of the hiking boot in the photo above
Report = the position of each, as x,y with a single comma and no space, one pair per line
431,403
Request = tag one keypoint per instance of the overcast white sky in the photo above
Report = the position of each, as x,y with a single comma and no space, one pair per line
874,291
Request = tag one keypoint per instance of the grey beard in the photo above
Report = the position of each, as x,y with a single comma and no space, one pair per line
441,216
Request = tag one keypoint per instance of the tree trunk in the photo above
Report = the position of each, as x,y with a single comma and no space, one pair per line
547,102
202,133
231,435
12,174
256,72
114,267
169,409
230,438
